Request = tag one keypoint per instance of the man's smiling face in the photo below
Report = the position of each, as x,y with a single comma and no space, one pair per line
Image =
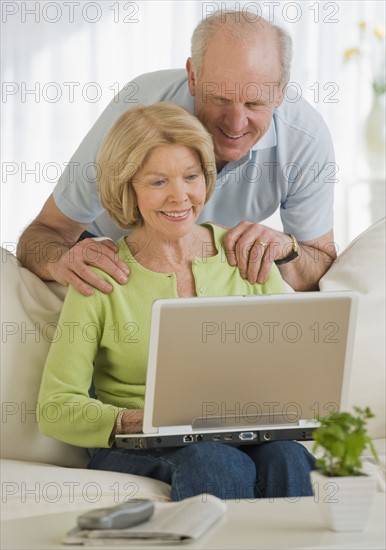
237,92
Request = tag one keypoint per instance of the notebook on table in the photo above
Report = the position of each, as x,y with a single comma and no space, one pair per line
245,369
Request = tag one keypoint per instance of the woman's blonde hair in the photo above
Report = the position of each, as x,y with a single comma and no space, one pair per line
128,144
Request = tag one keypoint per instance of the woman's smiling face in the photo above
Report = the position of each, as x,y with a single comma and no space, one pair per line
171,190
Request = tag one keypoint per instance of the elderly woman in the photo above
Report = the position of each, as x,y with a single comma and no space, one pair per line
156,171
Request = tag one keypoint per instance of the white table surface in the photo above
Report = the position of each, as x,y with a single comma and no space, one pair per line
275,524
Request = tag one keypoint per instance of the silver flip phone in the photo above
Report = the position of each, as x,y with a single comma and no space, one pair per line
122,516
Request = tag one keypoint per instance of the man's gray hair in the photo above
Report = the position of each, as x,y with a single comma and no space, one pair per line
241,24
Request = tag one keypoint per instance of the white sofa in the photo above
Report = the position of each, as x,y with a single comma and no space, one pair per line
40,475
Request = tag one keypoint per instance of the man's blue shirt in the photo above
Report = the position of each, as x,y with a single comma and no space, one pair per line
292,167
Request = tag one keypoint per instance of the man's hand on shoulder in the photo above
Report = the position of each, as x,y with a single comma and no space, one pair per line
47,248
74,266
254,247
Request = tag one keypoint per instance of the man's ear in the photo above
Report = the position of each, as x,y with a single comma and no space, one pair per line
280,97
191,77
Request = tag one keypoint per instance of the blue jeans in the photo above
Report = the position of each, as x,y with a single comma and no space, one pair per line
274,469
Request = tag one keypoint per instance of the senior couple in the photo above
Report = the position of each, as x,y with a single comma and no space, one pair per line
157,168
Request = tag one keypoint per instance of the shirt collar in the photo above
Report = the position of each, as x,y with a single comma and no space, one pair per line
268,140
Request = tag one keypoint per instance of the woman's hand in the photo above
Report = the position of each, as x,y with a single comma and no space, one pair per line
131,422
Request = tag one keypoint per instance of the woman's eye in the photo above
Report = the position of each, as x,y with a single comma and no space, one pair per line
191,177
157,183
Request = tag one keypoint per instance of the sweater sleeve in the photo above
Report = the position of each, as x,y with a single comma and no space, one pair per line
65,410
274,284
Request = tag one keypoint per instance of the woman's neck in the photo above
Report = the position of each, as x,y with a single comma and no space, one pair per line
164,254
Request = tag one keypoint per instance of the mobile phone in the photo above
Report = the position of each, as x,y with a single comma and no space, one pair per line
129,513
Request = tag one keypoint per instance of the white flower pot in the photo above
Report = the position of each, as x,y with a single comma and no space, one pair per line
344,502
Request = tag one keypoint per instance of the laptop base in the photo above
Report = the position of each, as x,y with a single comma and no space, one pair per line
142,442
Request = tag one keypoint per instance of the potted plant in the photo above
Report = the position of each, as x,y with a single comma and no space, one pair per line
344,492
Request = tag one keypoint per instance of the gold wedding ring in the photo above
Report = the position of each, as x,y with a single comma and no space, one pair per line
263,244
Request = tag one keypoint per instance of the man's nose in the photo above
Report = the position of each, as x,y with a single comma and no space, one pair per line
235,118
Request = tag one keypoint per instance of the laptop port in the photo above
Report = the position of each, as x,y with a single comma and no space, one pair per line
187,439
267,436
247,436
199,438
216,438
228,437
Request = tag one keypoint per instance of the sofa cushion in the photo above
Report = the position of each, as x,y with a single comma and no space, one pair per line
361,268
30,489
29,310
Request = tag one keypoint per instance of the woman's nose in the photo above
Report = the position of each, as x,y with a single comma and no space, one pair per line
178,192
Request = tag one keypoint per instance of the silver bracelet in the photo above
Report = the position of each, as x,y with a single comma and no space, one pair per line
118,422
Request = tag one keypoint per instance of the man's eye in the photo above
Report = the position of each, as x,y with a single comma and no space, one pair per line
254,105
219,100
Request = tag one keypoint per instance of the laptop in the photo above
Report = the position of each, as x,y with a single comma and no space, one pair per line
245,369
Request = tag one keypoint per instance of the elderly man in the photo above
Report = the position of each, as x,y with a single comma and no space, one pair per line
270,153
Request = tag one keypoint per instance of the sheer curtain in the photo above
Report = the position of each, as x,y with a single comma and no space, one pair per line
62,62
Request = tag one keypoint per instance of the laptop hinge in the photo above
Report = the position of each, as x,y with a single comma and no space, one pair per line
242,421
168,430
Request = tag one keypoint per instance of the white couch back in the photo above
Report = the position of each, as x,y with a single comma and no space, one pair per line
361,267
29,310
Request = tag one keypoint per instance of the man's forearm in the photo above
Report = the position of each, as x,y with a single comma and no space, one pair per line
39,248
304,273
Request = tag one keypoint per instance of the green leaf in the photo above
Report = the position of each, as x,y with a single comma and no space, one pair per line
355,444
343,438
